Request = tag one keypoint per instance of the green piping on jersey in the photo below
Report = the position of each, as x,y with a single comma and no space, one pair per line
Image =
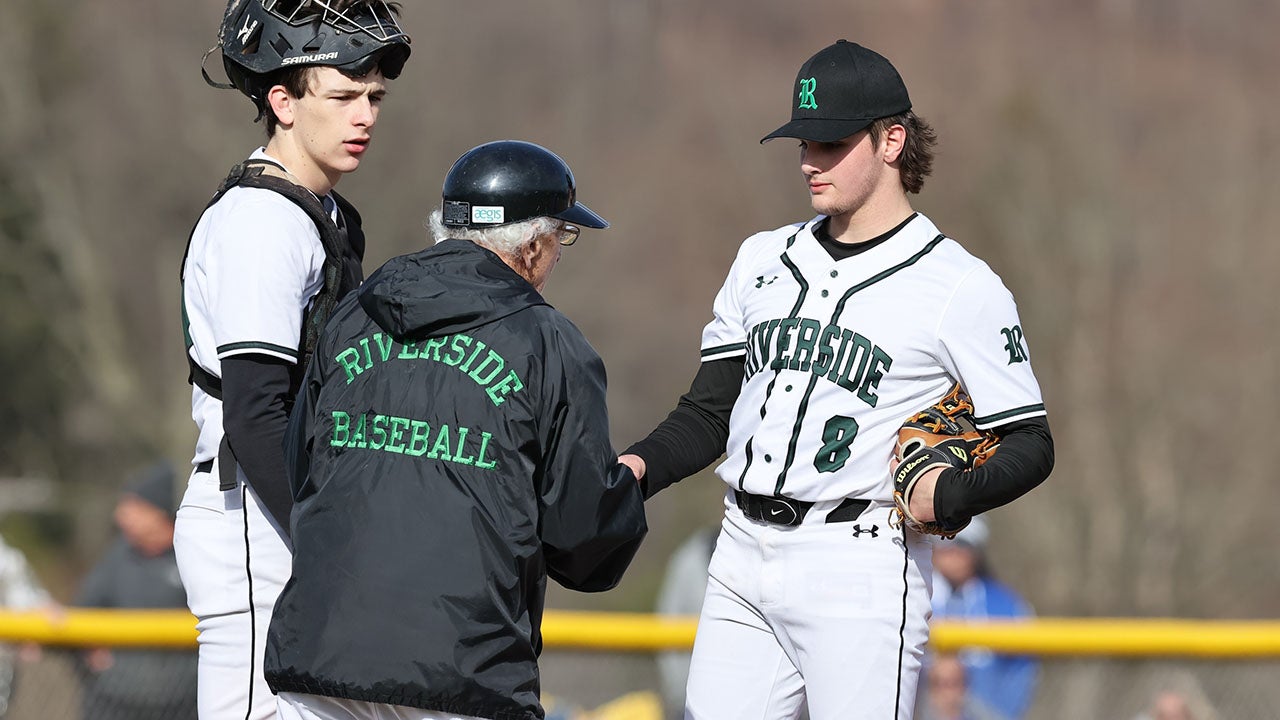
804,401
720,349
186,321
291,352
795,310
884,274
993,419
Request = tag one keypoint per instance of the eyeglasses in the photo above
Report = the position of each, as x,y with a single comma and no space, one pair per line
569,234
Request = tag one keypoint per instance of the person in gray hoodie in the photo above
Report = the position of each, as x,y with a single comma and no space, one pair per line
139,570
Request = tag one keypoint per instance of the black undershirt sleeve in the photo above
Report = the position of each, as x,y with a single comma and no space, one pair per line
255,391
694,435
1023,461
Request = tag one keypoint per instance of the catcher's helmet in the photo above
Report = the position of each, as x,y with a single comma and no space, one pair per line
258,37
508,181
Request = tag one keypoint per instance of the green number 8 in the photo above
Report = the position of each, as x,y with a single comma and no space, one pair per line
837,436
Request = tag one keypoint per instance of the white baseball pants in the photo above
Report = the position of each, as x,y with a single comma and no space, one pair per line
297,706
814,616
234,561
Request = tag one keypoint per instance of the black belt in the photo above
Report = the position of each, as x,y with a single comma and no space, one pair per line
778,510
205,467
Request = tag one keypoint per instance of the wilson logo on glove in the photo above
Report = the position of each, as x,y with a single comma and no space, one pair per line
941,436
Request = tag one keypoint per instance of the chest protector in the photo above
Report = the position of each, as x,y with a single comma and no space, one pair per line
343,243
343,251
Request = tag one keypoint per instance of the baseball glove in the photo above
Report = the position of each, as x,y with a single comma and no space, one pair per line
943,435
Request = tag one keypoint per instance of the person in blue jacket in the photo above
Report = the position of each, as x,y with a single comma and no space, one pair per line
965,589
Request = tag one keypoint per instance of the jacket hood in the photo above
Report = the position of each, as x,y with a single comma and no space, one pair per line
452,287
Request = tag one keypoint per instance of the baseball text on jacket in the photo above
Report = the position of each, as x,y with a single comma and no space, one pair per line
407,436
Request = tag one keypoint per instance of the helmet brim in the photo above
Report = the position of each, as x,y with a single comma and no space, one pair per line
579,214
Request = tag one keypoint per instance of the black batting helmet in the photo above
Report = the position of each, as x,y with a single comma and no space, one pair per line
259,37
508,181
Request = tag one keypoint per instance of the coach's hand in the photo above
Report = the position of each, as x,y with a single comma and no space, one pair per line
636,463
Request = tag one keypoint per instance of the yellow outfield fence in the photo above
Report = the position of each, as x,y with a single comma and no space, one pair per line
639,632
613,663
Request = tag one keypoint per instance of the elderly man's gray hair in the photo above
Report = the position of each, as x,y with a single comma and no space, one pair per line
502,239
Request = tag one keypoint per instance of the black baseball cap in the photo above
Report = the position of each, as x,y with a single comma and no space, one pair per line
841,90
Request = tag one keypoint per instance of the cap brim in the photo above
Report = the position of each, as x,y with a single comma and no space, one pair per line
819,129
581,215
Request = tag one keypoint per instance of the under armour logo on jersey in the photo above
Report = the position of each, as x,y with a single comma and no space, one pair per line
874,530
807,99
247,31
761,282
1013,343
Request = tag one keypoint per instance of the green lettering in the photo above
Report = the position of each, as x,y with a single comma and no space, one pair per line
349,359
408,352
879,364
492,358
805,340
358,438
459,457
861,352
509,384
479,346
368,359
418,438
484,445
395,443
459,345
433,346
822,362
379,426
441,443
384,351
341,428
834,375
784,342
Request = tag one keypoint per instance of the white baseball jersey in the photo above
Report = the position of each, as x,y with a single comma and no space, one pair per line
839,353
255,263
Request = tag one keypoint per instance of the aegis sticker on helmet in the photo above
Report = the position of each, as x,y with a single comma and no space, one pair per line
259,37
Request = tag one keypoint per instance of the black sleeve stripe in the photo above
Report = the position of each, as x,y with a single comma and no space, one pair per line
997,417
732,348
231,347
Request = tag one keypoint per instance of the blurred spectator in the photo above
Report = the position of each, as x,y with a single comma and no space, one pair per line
683,586
946,695
1181,699
19,590
1168,705
964,589
139,571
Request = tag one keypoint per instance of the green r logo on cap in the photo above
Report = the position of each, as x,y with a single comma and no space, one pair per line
807,100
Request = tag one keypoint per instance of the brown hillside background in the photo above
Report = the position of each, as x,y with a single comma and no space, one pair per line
1114,160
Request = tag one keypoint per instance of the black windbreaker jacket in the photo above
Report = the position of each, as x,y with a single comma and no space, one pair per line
449,450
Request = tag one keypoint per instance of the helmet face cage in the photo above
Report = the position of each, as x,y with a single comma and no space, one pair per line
379,22
260,37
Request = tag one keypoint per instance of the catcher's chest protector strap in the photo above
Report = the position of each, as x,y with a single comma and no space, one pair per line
343,250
